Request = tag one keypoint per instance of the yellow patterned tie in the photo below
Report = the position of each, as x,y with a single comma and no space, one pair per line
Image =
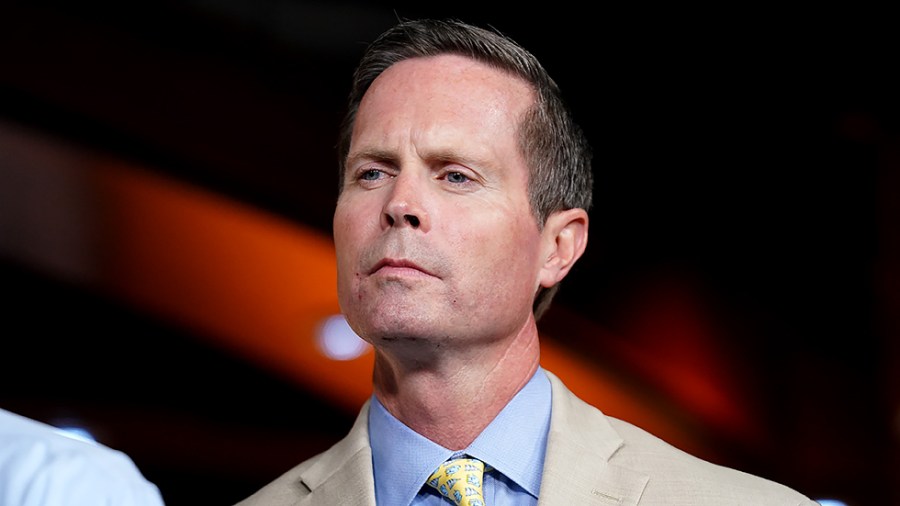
460,481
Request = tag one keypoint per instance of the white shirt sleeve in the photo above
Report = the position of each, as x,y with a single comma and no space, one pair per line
40,466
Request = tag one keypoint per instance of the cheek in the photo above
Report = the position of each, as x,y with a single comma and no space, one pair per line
347,234
505,253
349,225
341,222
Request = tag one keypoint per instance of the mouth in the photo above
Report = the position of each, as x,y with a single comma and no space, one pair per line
398,266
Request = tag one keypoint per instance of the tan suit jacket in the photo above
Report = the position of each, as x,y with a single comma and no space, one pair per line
592,459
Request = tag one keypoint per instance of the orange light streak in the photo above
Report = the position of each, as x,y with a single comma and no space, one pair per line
260,285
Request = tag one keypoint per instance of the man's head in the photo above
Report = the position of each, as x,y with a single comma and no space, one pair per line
554,156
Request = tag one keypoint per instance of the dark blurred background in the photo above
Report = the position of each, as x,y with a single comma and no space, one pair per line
744,240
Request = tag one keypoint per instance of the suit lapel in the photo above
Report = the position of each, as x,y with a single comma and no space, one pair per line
577,469
343,475
350,485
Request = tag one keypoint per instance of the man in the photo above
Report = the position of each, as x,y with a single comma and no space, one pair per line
465,187
42,465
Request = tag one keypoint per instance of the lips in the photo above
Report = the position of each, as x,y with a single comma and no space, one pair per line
398,264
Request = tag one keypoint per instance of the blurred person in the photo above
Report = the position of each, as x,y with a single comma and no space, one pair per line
465,187
41,465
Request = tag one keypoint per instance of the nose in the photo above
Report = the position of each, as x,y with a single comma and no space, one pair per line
406,203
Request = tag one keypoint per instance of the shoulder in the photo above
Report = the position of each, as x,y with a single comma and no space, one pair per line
350,459
285,489
675,473
38,464
672,475
303,479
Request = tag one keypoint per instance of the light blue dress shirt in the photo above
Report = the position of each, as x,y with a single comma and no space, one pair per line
513,445
40,465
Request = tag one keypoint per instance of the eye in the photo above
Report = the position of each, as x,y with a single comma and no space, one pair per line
371,175
457,177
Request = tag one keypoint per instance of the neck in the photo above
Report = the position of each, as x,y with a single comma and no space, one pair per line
452,397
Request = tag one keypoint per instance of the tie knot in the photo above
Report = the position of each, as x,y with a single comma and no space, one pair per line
460,481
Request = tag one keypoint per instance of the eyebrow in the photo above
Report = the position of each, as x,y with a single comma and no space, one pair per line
439,155
370,154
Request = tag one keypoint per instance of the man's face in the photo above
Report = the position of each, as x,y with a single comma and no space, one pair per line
434,234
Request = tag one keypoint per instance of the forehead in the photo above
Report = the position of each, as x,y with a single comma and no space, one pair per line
441,99
452,68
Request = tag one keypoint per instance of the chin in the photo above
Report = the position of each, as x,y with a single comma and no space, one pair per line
389,327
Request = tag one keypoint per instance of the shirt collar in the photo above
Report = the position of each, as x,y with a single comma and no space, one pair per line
514,444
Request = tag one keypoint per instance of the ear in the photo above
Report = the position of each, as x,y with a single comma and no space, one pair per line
564,239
